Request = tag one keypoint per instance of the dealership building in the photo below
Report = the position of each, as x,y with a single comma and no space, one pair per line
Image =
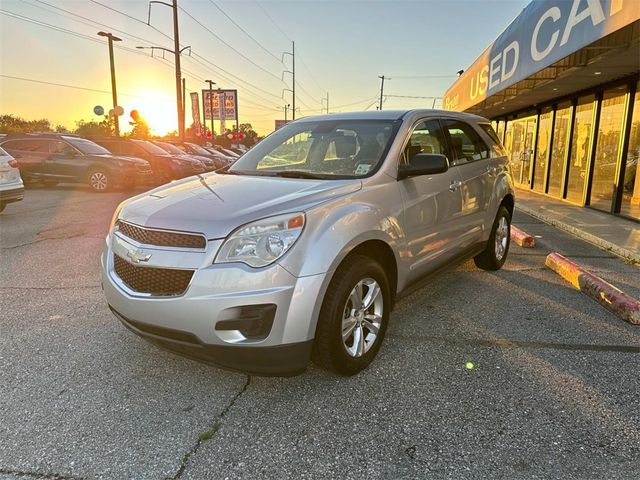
561,85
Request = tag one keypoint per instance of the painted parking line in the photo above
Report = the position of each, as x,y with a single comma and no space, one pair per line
522,238
624,306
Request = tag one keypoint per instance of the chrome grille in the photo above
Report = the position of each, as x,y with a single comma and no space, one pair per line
163,282
161,238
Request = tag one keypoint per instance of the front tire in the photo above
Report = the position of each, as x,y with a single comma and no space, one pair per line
495,254
100,180
353,318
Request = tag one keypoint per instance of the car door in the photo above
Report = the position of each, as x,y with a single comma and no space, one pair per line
432,204
64,161
30,154
472,158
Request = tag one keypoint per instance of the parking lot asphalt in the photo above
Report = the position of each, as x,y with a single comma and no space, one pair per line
553,392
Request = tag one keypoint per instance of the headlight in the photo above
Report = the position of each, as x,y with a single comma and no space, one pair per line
116,214
260,243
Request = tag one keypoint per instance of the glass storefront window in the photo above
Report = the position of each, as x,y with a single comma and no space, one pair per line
631,180
580,149
607,149
500,131
560,134
542,154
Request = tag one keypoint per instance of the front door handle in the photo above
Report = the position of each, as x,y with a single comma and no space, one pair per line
454,185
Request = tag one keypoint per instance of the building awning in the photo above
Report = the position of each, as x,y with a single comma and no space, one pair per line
553,48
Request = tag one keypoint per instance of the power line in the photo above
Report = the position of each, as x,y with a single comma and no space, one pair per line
410,96
396,77
244,31
76,87
230,46
132,18
91,24
234,76
273,21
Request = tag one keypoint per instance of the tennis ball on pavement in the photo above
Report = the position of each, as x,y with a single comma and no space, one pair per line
469,365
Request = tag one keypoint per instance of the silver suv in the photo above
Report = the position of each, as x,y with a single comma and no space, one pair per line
299,250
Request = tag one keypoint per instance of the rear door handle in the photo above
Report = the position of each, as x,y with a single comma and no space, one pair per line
454,185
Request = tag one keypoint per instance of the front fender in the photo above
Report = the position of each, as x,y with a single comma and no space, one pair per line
334,229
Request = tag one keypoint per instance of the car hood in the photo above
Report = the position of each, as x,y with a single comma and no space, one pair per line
216,204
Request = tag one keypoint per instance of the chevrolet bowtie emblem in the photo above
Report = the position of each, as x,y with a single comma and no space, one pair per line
138,256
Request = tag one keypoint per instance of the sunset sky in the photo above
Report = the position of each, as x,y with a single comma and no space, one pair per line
342,47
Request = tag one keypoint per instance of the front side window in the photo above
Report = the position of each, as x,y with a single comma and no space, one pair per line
87,146
466,144
427,137
320,149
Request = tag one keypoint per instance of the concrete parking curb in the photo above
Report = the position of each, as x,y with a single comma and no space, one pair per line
624,306
522,238
597,241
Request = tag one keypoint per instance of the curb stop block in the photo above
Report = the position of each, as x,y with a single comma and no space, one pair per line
619,303
522,238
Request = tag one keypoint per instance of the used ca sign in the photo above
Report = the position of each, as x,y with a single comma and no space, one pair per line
545,32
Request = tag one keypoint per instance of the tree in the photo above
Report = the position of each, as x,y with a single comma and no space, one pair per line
104,128
13,124
140,129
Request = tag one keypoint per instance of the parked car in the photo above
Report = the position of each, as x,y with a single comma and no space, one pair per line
224,151
195,149
11,186
53,158
165,167
299,250
208,164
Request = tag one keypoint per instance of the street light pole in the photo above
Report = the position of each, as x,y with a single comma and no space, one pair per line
114,92
211,84
381,91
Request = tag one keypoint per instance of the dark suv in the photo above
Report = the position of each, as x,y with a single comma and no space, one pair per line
53,158
165,167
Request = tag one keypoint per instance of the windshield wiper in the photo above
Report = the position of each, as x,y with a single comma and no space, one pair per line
298,174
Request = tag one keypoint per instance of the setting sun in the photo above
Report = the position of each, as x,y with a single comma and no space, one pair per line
157,109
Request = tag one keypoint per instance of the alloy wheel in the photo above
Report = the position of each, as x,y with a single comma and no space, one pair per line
502,237
98,181
362,317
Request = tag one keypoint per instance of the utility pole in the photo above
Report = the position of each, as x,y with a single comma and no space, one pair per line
381,91
211,84
322,100
176,51
114,93
293,75
184,102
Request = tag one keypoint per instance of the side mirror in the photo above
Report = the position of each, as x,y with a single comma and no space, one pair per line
424,164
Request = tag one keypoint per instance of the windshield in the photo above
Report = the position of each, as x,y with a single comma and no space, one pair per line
322,149
150,147
198,149
87,146
170,148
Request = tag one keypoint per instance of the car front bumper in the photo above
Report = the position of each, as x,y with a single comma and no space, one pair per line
12,194
190,324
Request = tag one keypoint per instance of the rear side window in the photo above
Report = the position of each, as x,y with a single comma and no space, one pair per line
496,145
28,145
466,144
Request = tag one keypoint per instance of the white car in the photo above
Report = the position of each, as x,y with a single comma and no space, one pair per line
11,186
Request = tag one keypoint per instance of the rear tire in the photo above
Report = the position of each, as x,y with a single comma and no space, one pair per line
353,318
100,180
495,254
